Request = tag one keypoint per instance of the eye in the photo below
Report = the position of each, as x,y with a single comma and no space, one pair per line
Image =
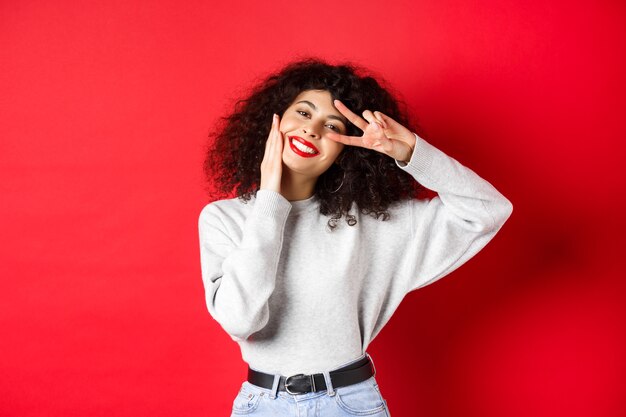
333,127
302,113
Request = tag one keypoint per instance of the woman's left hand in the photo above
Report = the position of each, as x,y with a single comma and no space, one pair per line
380,133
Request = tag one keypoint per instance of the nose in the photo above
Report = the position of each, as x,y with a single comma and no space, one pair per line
310,131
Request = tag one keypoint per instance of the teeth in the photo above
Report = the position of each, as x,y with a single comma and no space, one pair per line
302,147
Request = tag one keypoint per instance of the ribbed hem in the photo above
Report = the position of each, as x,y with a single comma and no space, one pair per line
270,203
421,158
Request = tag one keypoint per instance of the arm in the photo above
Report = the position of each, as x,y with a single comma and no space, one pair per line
454,226
239,278
449,229
239,275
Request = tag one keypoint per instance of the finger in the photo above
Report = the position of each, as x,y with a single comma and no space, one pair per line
278,140
346,140
379,137
389,122
268,140
271,140
369,116
380,119
367,142
280,143
353,118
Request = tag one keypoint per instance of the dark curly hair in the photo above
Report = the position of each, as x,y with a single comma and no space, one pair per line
363,176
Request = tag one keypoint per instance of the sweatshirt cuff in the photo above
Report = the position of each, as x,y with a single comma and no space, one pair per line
421,158
270,203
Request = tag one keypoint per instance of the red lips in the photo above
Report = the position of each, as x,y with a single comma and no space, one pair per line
305,143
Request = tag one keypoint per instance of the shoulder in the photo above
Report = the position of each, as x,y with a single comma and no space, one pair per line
405,206
225,211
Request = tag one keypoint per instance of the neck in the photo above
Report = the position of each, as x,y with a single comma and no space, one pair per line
295,186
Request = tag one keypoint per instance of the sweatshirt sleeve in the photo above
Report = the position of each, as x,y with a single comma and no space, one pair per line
239,277
451,228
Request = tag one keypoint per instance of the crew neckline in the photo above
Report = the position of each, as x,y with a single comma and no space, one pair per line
302,206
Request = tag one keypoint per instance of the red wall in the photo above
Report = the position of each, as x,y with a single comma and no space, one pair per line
104,112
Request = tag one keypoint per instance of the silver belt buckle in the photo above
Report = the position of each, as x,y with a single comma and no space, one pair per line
299,376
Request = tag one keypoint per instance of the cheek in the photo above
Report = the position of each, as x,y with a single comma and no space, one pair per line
286,123
336,149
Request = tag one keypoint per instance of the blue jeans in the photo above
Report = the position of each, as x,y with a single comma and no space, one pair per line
361,399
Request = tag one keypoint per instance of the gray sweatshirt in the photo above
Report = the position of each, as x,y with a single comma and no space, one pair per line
299,298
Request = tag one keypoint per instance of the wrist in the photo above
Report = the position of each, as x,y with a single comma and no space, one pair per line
409,153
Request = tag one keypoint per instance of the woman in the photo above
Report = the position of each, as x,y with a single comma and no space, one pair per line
301,292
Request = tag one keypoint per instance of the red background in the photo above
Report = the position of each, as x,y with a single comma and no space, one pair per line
104,113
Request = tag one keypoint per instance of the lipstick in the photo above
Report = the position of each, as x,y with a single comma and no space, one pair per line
302,147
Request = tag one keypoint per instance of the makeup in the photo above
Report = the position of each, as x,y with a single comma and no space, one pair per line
302,147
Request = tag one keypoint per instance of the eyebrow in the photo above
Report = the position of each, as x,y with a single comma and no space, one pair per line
330,116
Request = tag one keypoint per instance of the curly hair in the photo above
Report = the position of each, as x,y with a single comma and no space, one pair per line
362,176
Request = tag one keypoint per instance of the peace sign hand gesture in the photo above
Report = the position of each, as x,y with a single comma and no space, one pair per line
382,134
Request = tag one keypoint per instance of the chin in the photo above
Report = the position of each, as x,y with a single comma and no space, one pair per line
303,165
299,169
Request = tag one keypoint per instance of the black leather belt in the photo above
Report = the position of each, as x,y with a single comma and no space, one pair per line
301,384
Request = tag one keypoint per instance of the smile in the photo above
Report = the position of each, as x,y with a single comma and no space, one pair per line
302,147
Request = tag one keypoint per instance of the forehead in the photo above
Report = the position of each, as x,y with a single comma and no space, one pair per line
317,97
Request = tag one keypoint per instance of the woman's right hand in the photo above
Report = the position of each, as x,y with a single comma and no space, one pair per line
272,164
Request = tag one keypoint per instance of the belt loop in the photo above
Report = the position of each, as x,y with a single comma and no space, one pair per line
371,360
274,391
329,384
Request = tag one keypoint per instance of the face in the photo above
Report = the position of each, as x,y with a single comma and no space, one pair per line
305,124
